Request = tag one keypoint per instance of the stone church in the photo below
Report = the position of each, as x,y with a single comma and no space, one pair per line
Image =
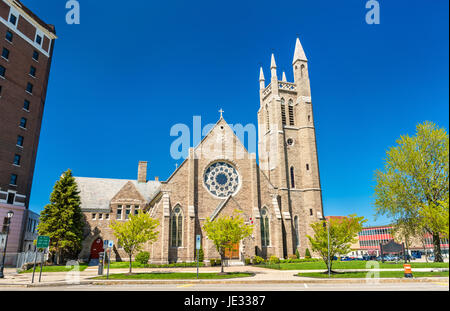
280,194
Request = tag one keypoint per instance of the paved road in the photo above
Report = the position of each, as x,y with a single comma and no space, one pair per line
431,286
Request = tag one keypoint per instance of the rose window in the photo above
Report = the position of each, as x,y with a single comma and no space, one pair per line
221,179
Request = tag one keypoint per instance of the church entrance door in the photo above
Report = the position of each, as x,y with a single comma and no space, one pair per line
233,252
96,248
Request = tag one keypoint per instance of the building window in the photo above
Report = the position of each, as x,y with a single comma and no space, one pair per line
176,227
292,177
307,167
309,118
119,212
20,141
1,90
32,71
136,209
127,212
23,123
297,236
17,159
11,197
93,216
9,36
13,19
13,180
36,55
5,53
30,88
310,212
267,119
2,71
26,105
38,39
283,112
100,216
291,113
265,237
107,216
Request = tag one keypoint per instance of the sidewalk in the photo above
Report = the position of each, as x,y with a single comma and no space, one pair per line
262,275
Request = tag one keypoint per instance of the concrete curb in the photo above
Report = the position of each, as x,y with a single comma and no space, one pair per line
183,282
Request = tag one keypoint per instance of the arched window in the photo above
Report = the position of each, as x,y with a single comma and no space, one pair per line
302,70
297,235
176,222
283,112
292,177
291,112
265,237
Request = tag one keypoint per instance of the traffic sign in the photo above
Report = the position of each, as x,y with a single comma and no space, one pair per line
110,243
43,241
198,239
105,243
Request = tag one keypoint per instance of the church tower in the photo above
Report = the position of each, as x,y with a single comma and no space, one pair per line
287,150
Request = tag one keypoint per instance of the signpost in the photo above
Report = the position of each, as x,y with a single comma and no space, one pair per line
198,240
110,246
43,241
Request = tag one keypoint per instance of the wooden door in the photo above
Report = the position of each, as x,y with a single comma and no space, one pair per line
233,252
96,248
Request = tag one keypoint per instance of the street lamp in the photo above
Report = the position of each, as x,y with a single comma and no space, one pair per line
9,215
328,245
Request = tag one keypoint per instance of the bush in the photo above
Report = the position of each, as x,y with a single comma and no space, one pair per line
247,261
274,260
257,260
212,262
297,253
143,258
307,254
218,262
201,255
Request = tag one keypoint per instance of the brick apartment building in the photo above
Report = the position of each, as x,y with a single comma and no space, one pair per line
26,47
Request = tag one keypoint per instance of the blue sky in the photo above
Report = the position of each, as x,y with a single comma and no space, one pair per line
123,77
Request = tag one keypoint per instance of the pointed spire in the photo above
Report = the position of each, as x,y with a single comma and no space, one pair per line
299,54
261,74
284,77
272,62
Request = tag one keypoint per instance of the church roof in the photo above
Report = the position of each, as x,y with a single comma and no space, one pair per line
96,193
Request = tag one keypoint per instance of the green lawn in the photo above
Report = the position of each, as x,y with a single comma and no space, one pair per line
383,274
125,264
173,276
351,265
82,267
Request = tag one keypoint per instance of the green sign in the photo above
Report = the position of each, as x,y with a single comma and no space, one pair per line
43,241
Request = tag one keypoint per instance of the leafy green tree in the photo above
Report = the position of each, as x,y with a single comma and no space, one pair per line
343,233
62,219
226,231
133,233
412,189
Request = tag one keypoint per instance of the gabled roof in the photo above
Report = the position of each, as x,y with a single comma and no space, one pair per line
96,193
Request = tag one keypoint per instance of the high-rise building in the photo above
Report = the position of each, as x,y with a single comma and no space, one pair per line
26,47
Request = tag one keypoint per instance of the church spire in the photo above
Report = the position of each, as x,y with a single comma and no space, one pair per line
284,77
273,68
261,79
299,54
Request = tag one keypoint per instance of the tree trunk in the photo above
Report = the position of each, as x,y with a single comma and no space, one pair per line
221,263
130,264
437,248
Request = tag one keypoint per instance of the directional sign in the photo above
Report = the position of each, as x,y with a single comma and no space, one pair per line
43,241
198,239
110,244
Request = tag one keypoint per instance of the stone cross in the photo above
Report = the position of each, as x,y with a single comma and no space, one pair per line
221,112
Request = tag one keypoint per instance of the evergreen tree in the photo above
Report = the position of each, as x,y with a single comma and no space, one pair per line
62,219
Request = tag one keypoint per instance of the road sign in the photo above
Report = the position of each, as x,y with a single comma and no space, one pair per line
198,239
105,243
43,241
110,244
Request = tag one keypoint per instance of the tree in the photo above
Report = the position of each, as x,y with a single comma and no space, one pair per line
132,234
62,219
343,233
413,186
226,231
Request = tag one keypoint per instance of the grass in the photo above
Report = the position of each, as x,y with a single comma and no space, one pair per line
351,265
173,276
134,264
383,274
82,267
